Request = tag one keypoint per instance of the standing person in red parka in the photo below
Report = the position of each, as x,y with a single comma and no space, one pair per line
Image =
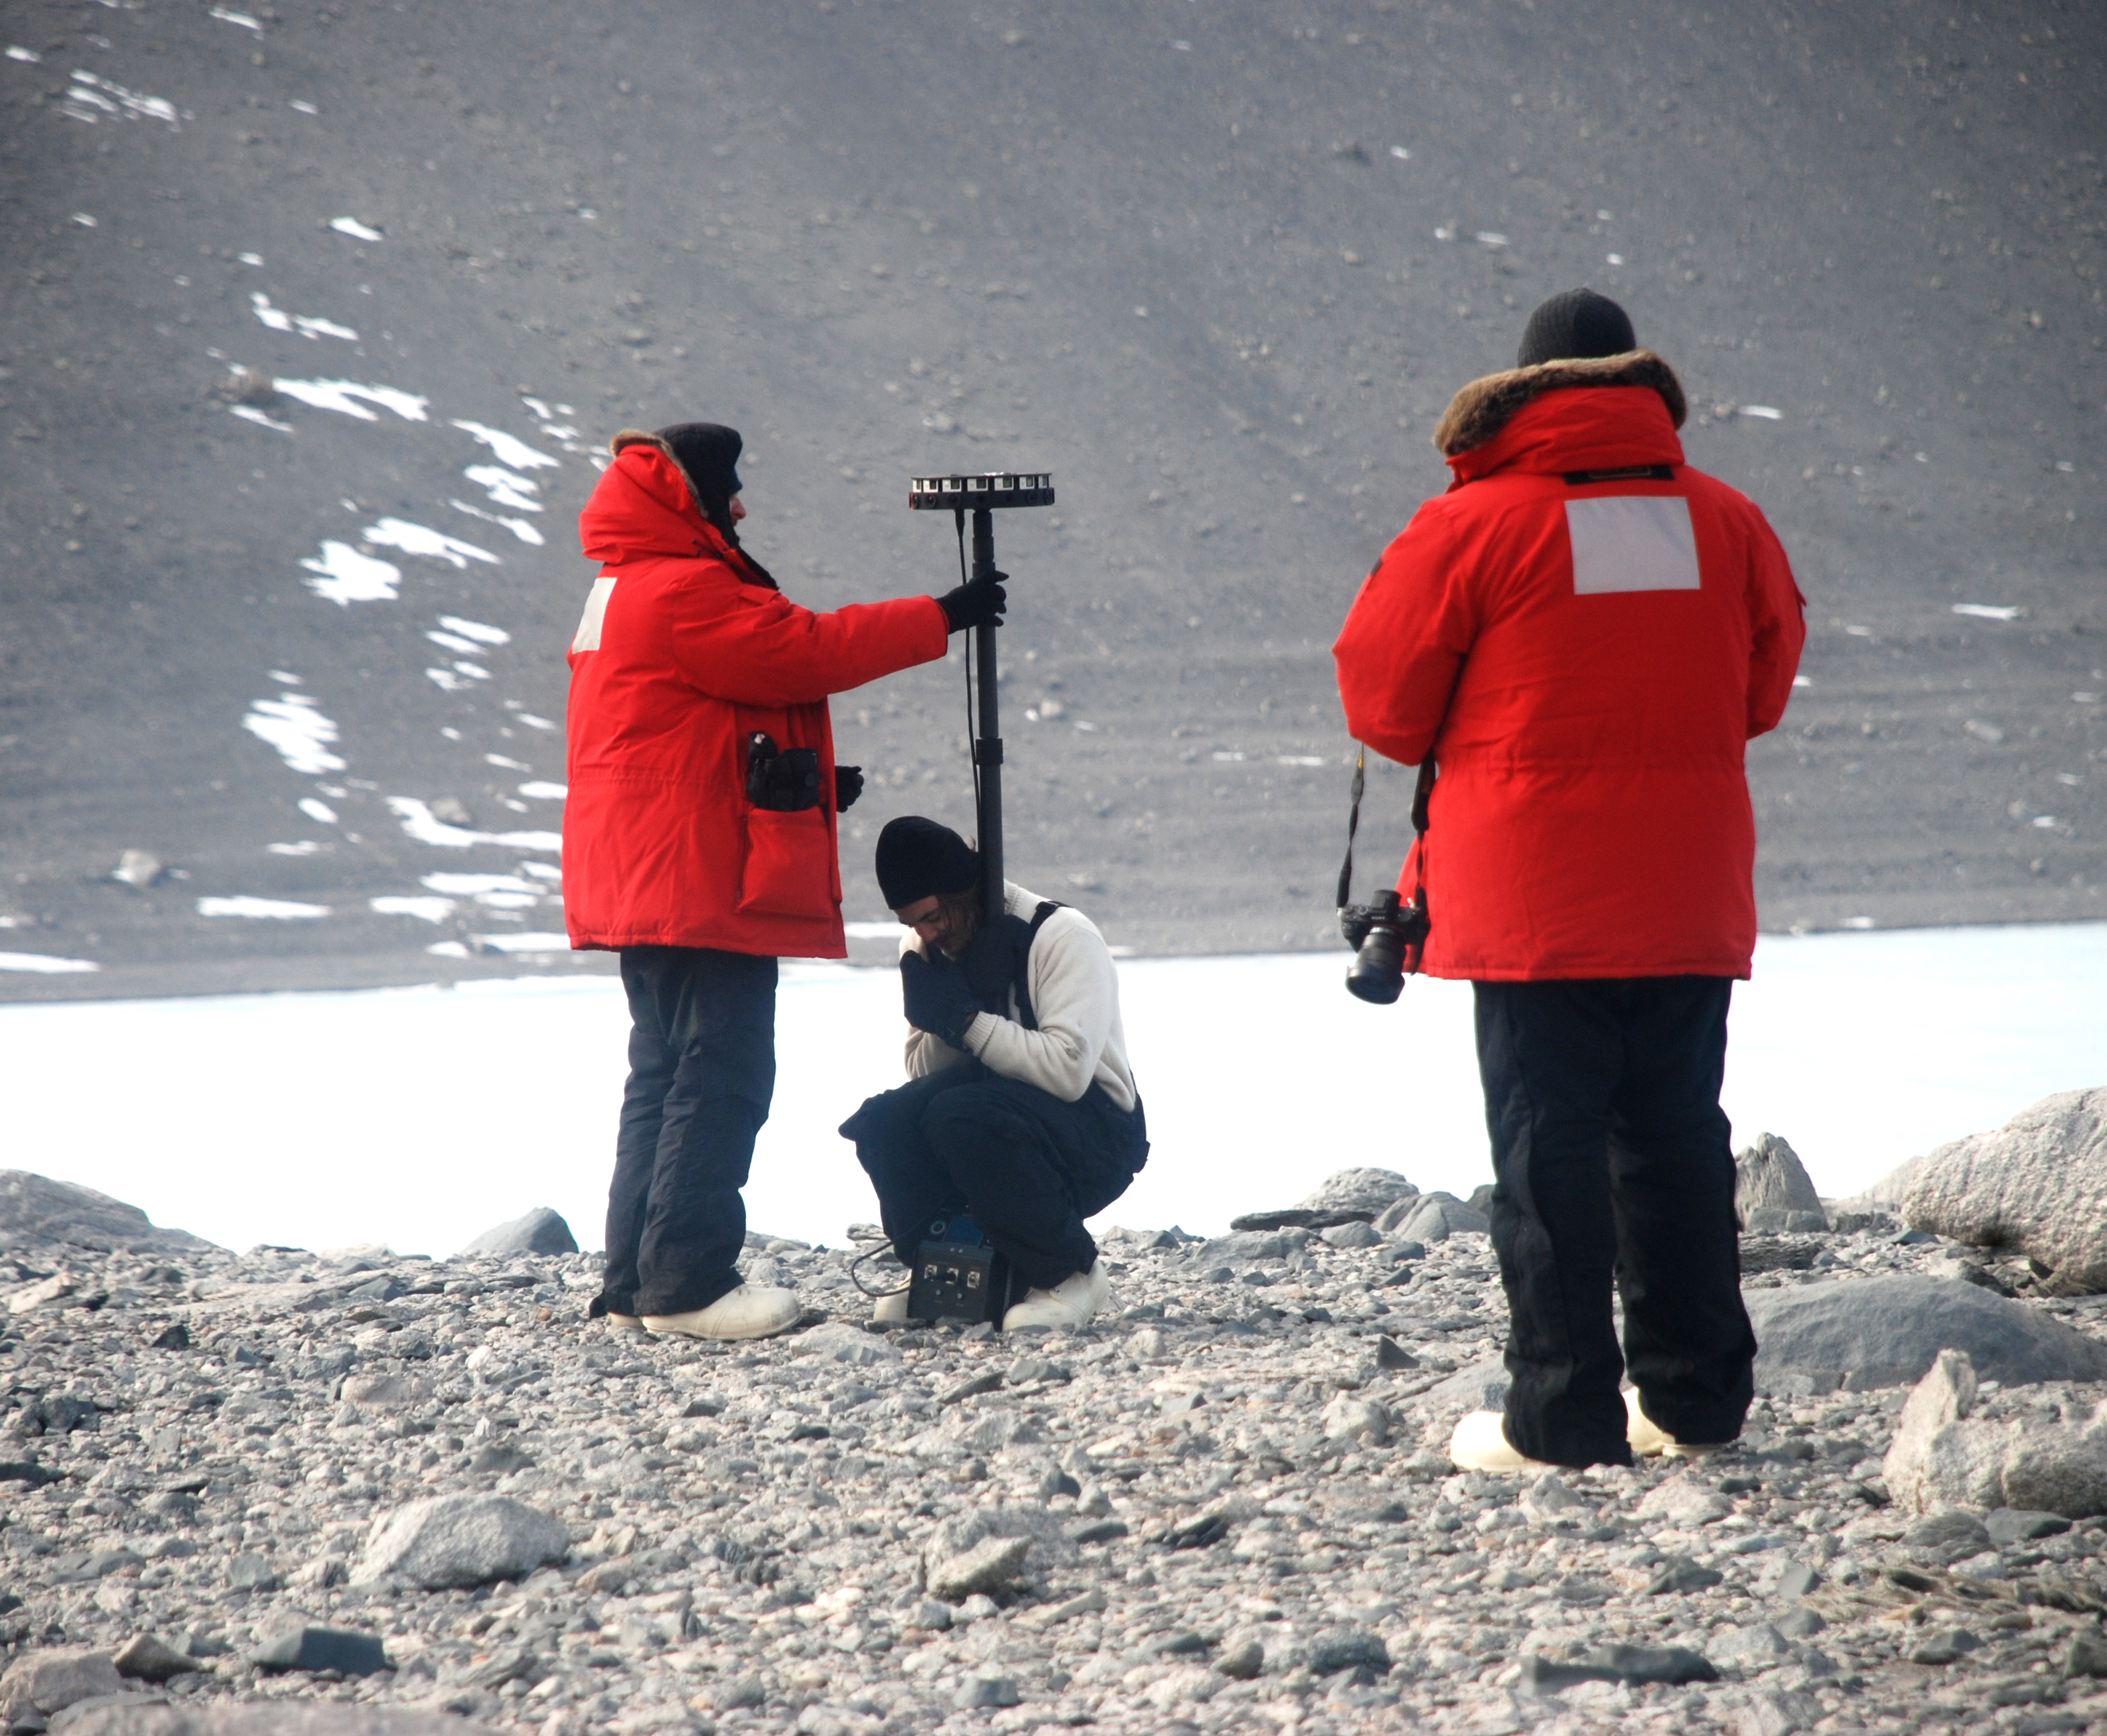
699,843
1583,633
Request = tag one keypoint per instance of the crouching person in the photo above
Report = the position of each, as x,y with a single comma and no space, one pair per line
1021,1109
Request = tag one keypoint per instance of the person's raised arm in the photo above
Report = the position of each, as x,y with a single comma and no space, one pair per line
754,646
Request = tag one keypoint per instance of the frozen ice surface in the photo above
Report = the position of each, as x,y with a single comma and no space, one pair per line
1261,1076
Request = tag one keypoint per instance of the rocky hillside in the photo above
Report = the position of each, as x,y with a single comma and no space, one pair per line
315,314
343,1483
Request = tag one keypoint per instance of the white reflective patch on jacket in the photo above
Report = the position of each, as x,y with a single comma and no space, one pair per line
1632,542
587,638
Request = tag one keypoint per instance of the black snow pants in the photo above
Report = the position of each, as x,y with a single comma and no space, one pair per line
1029,1166
701,1072
1612,1167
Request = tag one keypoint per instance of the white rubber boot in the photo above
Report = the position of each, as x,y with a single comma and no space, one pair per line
1649,1440
623,1323
890,1309
1067,1305
750,1311
1481,1444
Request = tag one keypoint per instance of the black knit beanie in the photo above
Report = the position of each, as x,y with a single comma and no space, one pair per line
708,452
1573,325
919,859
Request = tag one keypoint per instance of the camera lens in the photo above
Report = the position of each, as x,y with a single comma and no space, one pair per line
1377,972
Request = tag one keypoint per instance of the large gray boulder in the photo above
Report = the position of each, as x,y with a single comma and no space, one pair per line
1887,1332
47,1681
1942,1457
1368,1190
2038,1184
36,1212
1771,1190
1431,1218
446,1540
541,1231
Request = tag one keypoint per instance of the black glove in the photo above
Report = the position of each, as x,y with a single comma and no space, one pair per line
937,1000
848,785
979,602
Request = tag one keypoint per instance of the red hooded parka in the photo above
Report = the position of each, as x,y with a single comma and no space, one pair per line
1585,659
684,650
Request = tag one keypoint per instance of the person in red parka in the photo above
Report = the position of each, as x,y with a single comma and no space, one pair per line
699,843
1583,633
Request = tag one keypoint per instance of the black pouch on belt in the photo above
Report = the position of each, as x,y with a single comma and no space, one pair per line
784,782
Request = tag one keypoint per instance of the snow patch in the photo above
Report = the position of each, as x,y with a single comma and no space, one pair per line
424,910
88,94
418,539
504,488
300,733
279,320
250,413
355,230
520,527
419,821
348,577
262,910
524,942
1989,611
226,16
480,631
44,964
510,449
541,790
342,396
317,810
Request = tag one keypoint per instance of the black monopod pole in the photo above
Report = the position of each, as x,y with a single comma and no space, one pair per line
982,495
987,734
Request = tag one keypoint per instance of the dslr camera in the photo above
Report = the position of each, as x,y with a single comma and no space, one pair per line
1382,935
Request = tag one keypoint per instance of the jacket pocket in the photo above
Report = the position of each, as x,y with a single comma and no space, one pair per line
789,868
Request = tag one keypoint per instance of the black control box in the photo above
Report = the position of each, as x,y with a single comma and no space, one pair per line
958,1275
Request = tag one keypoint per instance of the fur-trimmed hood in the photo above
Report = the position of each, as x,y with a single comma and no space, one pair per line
1482,409
629,437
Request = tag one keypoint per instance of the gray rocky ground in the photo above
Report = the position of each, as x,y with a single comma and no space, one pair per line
1216,1509
1220,267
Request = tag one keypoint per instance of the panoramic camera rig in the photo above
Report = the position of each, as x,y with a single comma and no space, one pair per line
982,495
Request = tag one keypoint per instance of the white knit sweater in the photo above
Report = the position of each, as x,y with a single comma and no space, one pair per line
1075,997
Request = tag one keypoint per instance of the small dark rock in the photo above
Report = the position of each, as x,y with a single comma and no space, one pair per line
251,1572
27,1471
1389,1353
497,1458
2010,1525
1680,1573
2088,1655
1097,1531
147,1659
1945,1538
1798,1580
1348,1648
1675,1665
1804,1621
1944,1646
1197,1534
309,1648
175,1336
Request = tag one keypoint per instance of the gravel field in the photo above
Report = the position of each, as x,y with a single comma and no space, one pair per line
1219,1507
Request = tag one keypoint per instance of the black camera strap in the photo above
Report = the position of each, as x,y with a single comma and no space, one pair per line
1421,790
